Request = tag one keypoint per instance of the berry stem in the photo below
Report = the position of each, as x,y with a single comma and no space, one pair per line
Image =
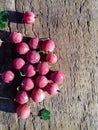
61,85
51,65
21,74
18,88
5,98
41,52
36,16
59,91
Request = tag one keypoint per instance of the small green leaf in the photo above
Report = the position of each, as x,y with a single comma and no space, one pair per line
44,114
2,25
4,16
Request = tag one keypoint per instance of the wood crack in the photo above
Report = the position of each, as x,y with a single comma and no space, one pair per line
48,20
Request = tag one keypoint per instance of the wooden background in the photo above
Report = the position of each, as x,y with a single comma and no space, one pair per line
73,25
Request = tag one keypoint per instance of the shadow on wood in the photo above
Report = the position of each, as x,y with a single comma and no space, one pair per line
15,17
8,91
8,105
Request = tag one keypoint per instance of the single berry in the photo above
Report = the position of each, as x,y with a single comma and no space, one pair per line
33,43
7,76
16,37
51,58
18,63
29,70
22,97
41,81
52,89
27,84
48,46
57,77
23,111
37,95
33,57
29,17
43,68
22,48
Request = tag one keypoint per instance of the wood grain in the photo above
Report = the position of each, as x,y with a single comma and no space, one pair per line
73,25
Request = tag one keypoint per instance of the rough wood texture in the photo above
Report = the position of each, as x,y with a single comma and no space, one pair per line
73,25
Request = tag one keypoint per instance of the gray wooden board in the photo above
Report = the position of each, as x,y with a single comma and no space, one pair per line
73,25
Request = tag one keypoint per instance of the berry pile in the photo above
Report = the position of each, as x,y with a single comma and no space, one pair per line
34,59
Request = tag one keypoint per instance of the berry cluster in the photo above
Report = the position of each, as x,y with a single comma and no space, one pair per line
34,62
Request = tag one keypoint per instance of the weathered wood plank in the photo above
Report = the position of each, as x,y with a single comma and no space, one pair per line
73,25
